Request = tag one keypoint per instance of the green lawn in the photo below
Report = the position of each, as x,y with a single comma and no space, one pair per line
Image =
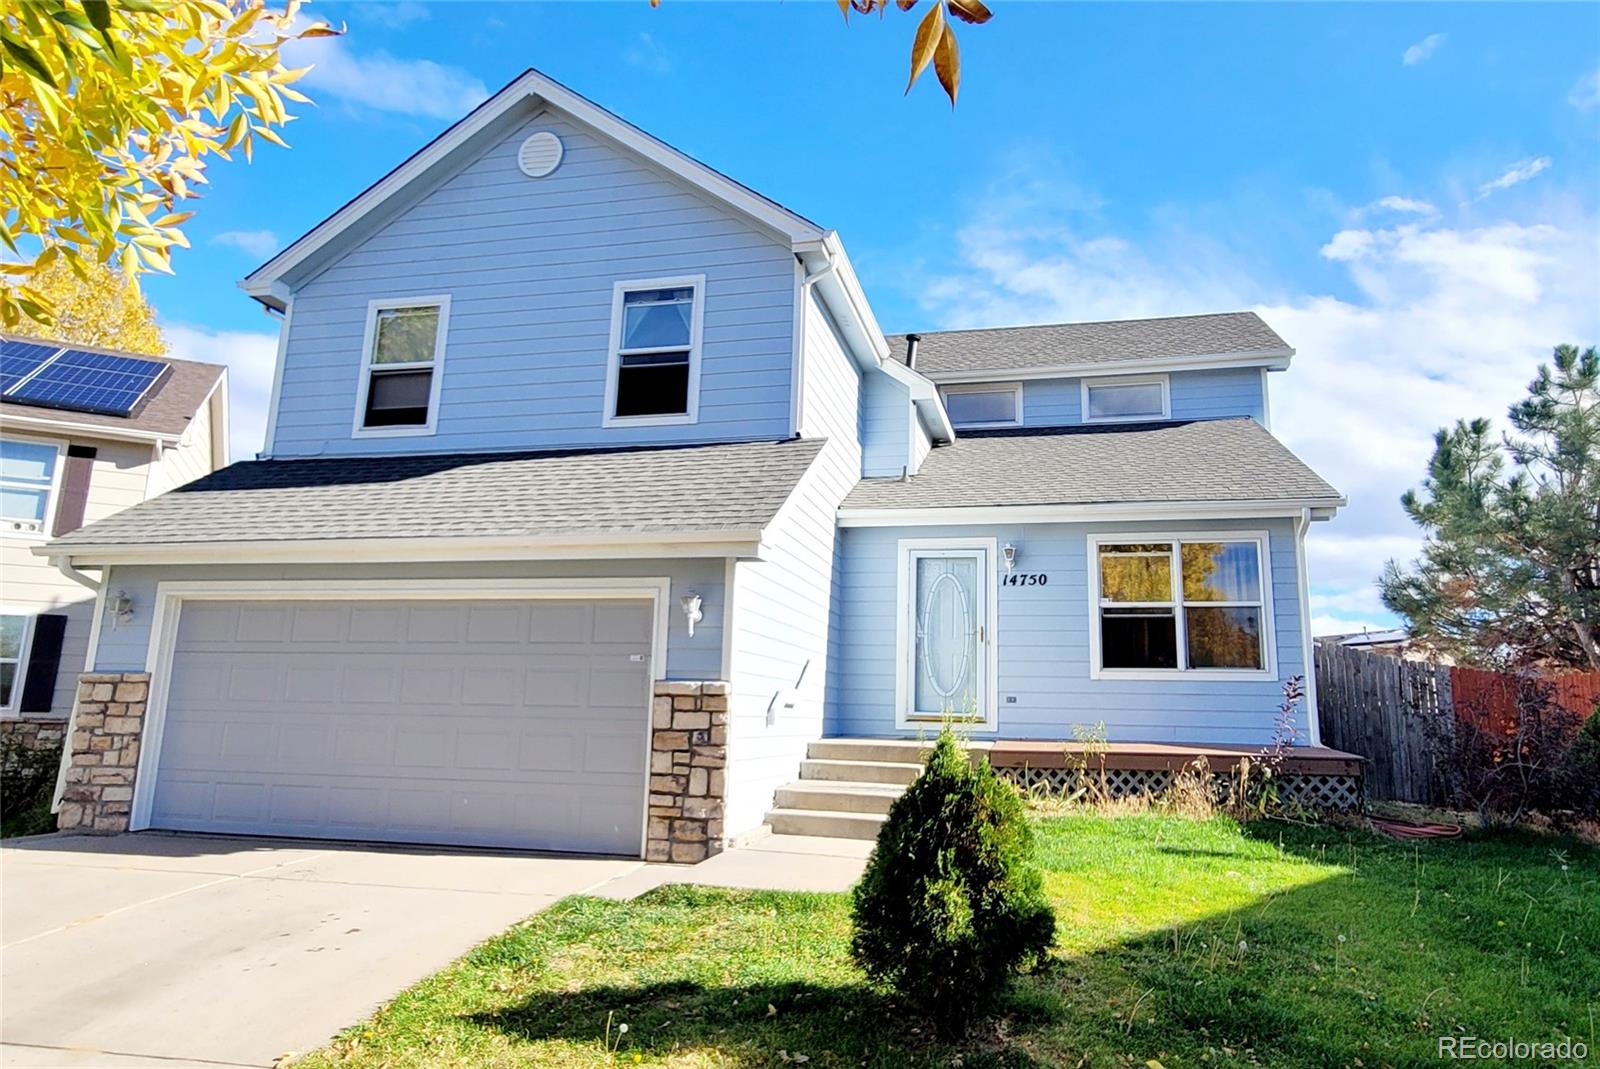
1192,943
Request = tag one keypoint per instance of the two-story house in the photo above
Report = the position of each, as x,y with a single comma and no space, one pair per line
84,433
597,513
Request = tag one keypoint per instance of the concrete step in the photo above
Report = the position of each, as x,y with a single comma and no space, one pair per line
839,796
820,822
860,771
898,751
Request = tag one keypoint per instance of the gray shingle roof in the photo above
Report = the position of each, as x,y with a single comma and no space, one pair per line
167,409
1072,344
680,490
1214,461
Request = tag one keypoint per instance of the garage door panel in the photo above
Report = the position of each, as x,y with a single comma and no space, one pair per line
518,724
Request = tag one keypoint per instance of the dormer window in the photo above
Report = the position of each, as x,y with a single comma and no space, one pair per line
402,366
984,405
1126,399
654,372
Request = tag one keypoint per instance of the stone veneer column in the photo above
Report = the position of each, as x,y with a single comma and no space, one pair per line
107,725
688,756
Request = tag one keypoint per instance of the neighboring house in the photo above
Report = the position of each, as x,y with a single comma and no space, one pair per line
84,433
564,420
1394,642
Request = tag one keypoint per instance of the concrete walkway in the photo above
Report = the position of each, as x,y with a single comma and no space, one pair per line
150,950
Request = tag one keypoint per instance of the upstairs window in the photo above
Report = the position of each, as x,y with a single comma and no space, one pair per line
27,482
1196,606
1110,400
655,352
987,405
402,365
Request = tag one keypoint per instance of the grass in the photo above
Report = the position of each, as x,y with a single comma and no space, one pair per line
1193,943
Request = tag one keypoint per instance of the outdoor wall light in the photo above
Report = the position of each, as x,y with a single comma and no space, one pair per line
691,610
1008,553
120,606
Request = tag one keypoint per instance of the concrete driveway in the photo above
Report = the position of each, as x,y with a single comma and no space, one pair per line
175,950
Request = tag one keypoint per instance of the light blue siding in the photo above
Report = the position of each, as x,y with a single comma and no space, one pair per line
125,646
530,266
782,603
1043,643
1218,394
886,426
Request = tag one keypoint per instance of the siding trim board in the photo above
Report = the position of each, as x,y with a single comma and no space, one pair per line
171,595
1132,510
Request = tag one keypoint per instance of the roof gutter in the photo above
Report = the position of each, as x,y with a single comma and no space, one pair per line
90,430
733,543
1271,359
1295,508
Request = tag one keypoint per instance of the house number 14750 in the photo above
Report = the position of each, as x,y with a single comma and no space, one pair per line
1025,579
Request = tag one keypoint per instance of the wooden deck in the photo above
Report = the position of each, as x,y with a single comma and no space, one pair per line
1035,753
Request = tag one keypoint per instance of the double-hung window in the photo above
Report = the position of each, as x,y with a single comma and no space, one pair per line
402,366
1126,399
13,648
986,405
28,473
1181,605
654,370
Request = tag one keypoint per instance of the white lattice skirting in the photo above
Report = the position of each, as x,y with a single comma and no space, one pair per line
1313,791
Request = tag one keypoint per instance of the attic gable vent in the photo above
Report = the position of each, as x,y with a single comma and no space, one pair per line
540,154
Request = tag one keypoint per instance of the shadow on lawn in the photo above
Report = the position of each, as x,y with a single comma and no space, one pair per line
849,1024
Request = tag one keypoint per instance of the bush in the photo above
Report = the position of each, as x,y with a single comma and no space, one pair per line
1583,767
27,782
950,905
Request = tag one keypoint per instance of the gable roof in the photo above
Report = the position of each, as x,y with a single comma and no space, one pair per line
523,95
165,412
1096,346
1221,462
662,493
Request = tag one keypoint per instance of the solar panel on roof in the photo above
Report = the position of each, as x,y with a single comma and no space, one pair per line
19,359
90,382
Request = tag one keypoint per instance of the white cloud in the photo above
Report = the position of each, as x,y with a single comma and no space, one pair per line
646,54
1441,322
250,357
1402,205
258,243
1515,175
383,82
1423,49
1585,93
395,16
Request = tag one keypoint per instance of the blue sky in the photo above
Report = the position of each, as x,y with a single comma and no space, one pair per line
1409,194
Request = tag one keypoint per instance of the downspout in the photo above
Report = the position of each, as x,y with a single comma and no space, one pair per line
1302,524
64,566
806,283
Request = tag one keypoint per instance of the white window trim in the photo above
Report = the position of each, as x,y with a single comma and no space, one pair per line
53,498
10,709
358,429
614,354
1013,388
171,596
907,550
1125,380
1269,651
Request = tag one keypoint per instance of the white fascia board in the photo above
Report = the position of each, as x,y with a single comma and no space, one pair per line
1271,359
741,544
51,425
266,284
1011,514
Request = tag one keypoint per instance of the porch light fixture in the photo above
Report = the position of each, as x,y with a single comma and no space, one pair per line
1008,553
690,603
120,606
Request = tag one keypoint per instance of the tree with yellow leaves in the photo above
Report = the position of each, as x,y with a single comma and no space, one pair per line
105,312
108,110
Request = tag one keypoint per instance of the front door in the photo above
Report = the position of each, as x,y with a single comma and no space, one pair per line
948,605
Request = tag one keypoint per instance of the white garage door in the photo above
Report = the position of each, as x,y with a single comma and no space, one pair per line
483,723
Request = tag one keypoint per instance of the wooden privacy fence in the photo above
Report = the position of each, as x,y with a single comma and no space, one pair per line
1380,707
